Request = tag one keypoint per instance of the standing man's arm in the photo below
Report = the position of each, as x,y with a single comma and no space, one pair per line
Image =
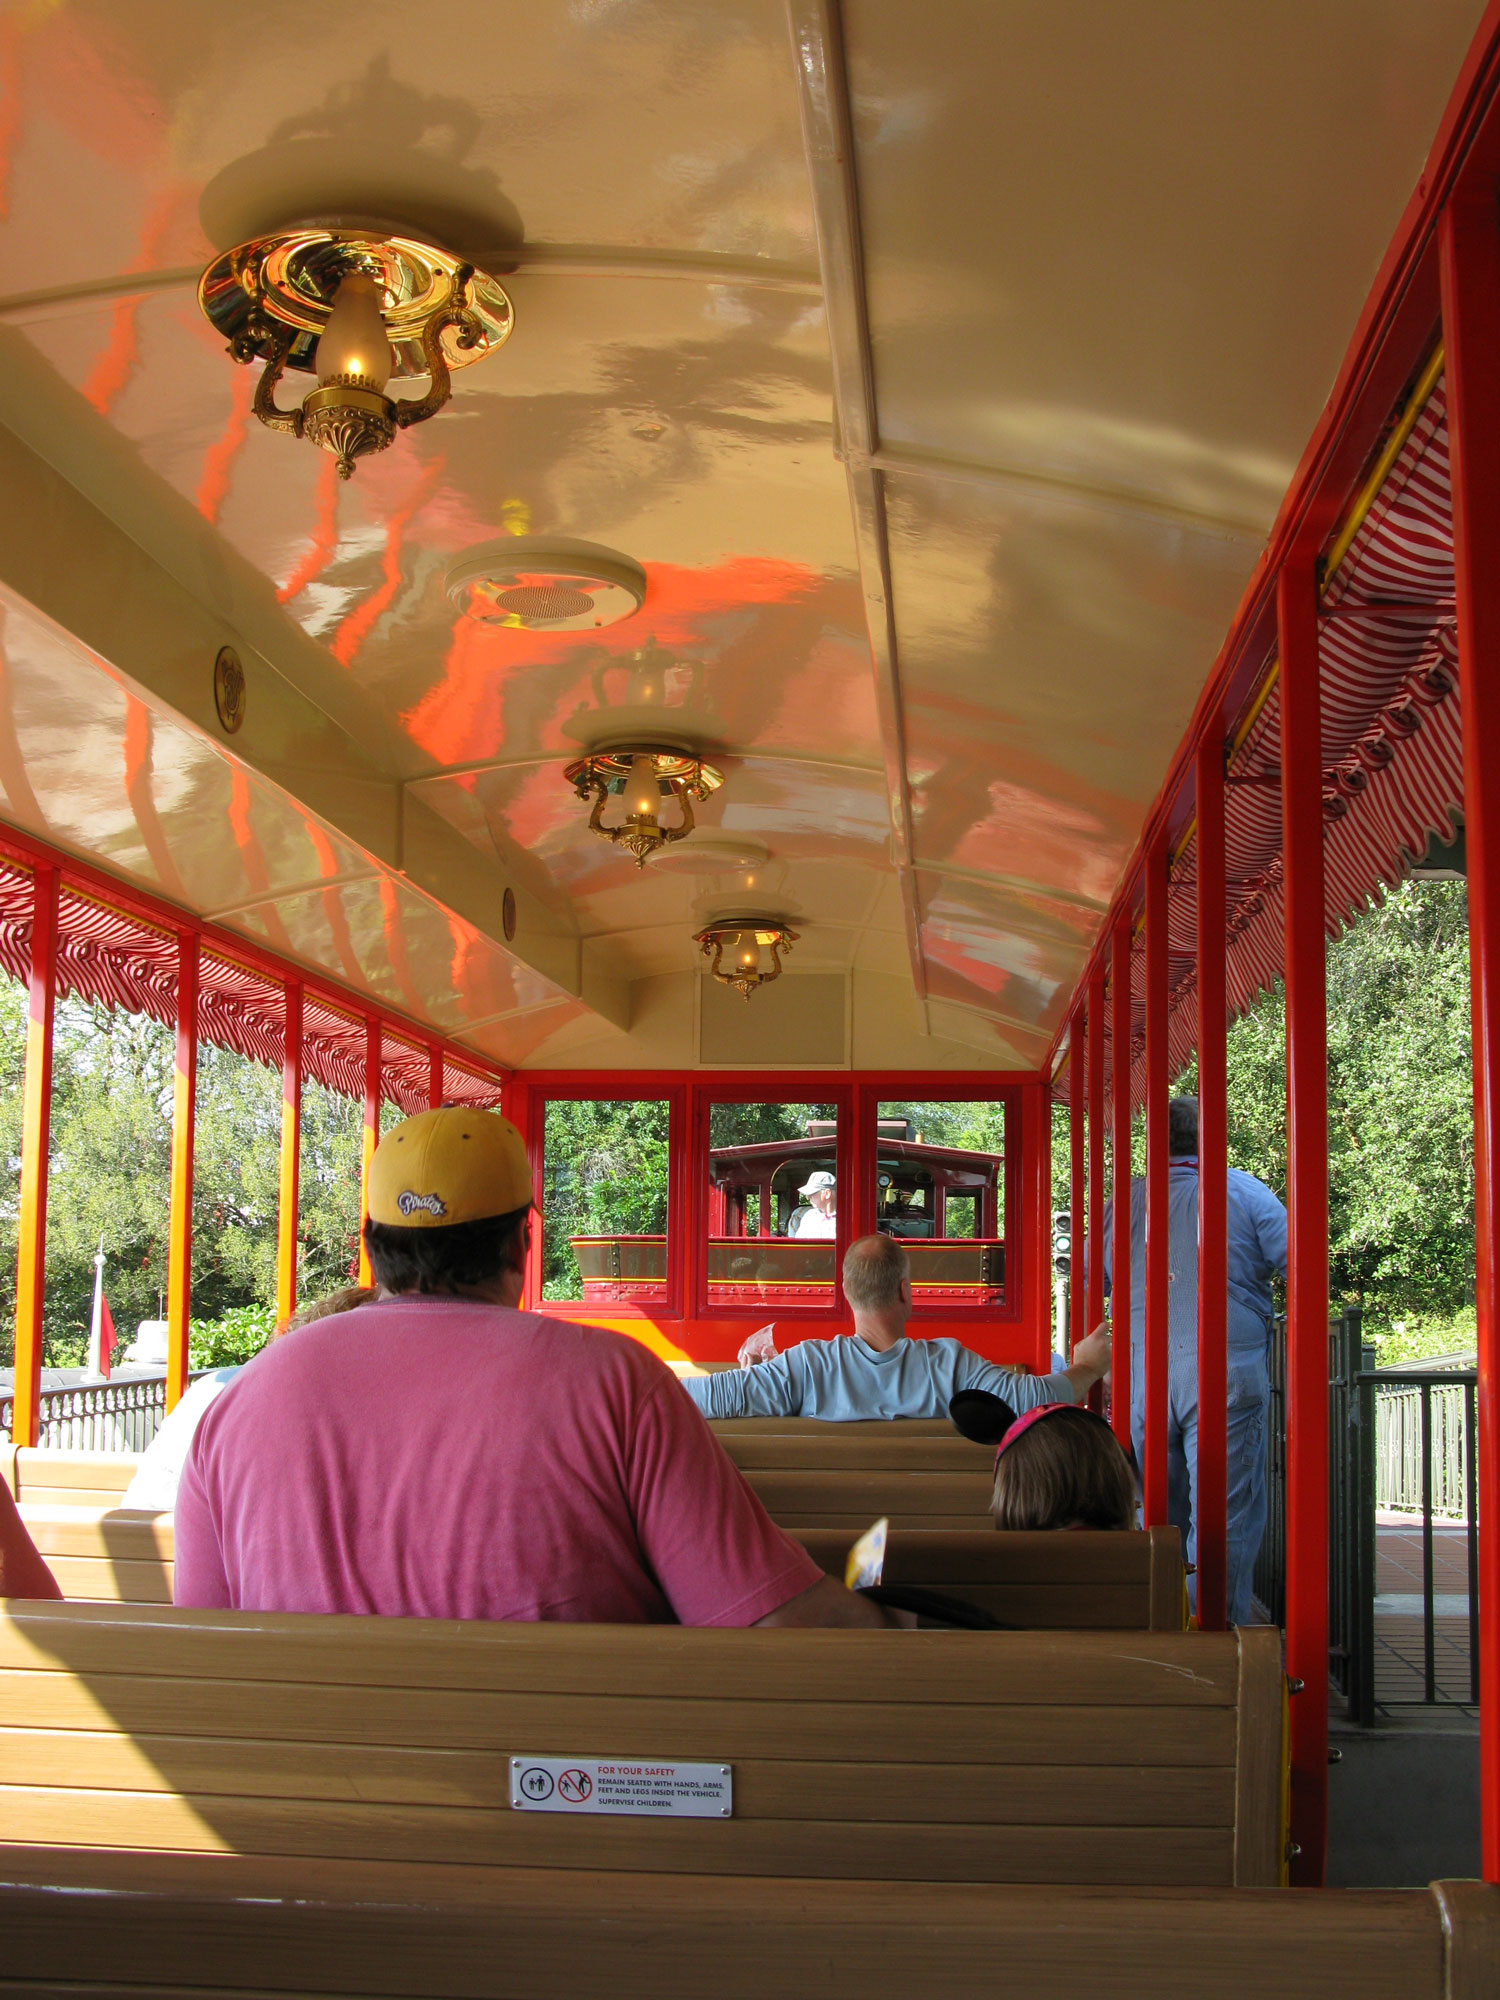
769,1389
1269,1218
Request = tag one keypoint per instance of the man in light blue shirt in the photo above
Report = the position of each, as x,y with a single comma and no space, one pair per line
877,1371
1257,1251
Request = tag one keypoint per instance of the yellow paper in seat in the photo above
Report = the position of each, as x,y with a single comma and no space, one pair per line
866,1560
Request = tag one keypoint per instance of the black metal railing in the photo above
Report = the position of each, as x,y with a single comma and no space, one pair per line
1399,1439
121,1415
1421,1430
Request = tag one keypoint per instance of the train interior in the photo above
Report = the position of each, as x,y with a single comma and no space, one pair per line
831,587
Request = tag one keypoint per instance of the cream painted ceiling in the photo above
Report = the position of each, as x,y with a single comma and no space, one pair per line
947,462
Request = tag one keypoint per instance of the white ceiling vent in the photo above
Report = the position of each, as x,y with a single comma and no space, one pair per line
547,584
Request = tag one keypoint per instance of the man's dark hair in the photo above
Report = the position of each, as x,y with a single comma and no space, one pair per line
447,1259
1182,1128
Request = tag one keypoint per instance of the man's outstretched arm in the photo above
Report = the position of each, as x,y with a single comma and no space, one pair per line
766,1390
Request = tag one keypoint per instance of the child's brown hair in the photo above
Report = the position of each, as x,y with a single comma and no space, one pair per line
1065,1472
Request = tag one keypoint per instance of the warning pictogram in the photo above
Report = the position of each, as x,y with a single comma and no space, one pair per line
600,1785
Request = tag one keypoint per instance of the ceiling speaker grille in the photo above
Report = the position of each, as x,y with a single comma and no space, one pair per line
543,601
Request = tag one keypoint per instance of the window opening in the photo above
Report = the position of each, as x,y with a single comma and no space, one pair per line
772,1204
940,1188
604,1202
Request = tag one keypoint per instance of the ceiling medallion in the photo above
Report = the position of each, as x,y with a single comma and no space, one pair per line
754,946
642,774
542,583
229,689
355,308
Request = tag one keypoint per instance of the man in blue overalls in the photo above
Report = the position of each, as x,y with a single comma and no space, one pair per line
1257,1251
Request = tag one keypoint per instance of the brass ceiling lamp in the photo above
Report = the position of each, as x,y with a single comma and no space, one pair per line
642,775
753,946
356,309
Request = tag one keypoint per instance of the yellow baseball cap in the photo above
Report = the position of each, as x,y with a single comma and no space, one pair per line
448,1166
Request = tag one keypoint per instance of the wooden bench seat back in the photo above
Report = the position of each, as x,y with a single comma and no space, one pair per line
855,1499
1060,1582
925,1756
1075,1582
94,1925
66,1478
868,1451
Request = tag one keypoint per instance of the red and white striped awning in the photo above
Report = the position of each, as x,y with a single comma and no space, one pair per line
1392,744
121,960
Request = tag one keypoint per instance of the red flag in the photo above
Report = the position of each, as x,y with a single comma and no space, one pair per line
108,1340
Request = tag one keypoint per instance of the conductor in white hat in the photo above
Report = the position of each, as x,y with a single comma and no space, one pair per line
818,1219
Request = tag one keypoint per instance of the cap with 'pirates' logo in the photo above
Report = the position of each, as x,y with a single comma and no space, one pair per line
448,1166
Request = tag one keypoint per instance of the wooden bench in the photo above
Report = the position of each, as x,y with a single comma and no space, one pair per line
853,1499
922,1756
66,1478
853,1448
1059,1582
200,1925
1075,1582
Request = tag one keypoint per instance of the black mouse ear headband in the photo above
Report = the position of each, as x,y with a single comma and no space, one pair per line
989,1419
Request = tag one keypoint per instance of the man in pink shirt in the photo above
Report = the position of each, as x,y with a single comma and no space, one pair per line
438,1454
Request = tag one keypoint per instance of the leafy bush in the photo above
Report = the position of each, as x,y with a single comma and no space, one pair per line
235,1337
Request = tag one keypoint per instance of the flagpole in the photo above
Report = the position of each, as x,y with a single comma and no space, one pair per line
96,1327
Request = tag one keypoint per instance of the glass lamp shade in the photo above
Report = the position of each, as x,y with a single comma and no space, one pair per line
745,947
643,789
354,342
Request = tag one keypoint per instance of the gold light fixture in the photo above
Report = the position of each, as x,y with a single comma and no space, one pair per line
642,775
753,947
357,309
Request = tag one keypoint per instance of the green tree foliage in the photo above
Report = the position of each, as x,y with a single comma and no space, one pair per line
109,1170
1400,1114
605,1175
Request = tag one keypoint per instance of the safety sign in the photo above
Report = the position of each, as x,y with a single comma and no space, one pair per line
642,1791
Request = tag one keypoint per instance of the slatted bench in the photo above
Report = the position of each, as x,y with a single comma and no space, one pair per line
38,1477
853,1448
925,1756
200,1925
854,1499
1073,1582
1058,1582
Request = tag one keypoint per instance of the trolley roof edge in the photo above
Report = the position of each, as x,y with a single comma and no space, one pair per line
1394,351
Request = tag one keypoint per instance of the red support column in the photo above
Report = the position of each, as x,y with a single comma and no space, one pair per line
1471,340
1158,1270
184,1118
1036,1219
1307,1204
434,1079
374,1051
36,1134
1121,1032
1093,1295
291,1153
1077,1192
1213,1198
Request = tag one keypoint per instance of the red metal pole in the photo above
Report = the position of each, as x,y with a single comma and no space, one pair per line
184,1118
1307,1204
371,1137
1471,330
1077,1065
435,1078
36,1132
1093,1298
291,1153
1121,1030
1158,1268
1213,1197
1037,1128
